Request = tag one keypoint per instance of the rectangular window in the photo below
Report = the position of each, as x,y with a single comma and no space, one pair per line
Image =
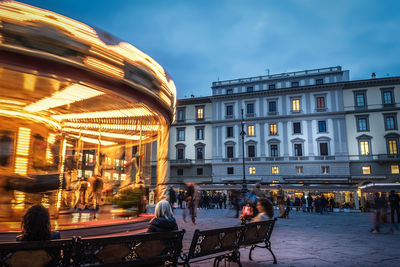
181,135
272,106
364,148
323,149
362,124
387,97
390,122
295,105
322,126
275,170
179,172
250,108
299,169
229,110
296,127
295,84
366,169
199,113
274,150
298,150
199,153
251,151
360,99
199,171
181,153
394,169
392,143
320,102
273,129
200,133
229,170
250,130
252,170
229,131
249,89
271,86
181,114
229,152
229,91
325,169
319,81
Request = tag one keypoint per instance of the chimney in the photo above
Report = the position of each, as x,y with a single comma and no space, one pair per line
373,75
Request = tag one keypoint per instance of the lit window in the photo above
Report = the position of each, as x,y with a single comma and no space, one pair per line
366,169
392,143
252,170
395,169
200,113
296,105
250,130
364,148
275,170
325,169
320,102
299,169
272,129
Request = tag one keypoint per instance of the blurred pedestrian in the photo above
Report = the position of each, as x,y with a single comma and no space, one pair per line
331,204
36,225
191,202
394,208
280,199
171,196
258,192
378,206
265,210
163,220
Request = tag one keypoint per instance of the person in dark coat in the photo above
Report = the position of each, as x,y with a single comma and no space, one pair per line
310,203
36,225
164,220
171,196
394,201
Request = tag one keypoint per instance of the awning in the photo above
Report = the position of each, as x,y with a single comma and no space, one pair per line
380,187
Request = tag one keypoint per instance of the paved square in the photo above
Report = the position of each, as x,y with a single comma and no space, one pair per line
310,239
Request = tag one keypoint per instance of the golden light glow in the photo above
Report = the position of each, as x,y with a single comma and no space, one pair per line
93,141
275,170
366,169
12,102
252,170
18,202
250,130
30,116
103,67
59,195
165,98
395,169
29,82
200,113
71,94
50,141
22,152
273,129
364,148
127,127
296,105
105,134
122,113
45,201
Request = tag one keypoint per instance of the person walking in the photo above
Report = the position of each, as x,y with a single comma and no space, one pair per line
304,203
378,206
280,199
323,203
331,204
171,196
297,202
310,203
394,200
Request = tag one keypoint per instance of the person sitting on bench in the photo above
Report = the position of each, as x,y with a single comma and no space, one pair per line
265,209
164,220
36,225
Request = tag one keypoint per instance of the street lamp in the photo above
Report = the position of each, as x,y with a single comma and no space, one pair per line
242,133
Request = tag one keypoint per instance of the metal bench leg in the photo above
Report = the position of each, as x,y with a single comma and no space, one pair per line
251,251
268,246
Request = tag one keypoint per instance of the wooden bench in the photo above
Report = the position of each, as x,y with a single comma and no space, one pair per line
256,233
37,253
220,244
149,249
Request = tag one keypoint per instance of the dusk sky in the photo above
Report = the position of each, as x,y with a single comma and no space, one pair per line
199,42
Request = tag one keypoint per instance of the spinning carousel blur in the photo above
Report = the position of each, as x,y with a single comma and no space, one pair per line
83,115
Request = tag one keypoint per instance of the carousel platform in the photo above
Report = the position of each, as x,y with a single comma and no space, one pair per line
84,223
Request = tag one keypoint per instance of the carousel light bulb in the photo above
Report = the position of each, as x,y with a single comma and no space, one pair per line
121,113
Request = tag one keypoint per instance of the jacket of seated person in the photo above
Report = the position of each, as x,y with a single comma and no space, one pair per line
54,235
164,220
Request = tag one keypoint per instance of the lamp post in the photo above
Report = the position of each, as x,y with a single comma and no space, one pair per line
242,133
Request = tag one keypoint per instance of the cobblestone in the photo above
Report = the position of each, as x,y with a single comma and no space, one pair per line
310,239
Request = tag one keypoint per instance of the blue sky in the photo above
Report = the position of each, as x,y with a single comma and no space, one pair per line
199,42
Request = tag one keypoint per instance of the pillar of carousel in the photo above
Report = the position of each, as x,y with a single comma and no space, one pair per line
79,112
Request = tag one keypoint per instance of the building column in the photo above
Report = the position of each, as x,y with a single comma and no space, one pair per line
162,160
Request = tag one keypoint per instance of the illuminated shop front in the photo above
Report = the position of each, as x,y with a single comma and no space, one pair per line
81,112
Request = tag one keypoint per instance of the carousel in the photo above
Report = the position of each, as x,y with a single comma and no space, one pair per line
84,116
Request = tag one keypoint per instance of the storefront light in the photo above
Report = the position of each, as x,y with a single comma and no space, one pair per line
71,94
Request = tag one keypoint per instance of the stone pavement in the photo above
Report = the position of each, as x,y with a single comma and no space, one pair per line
309,239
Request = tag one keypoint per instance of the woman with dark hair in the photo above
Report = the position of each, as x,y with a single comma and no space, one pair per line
36,225
265,209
